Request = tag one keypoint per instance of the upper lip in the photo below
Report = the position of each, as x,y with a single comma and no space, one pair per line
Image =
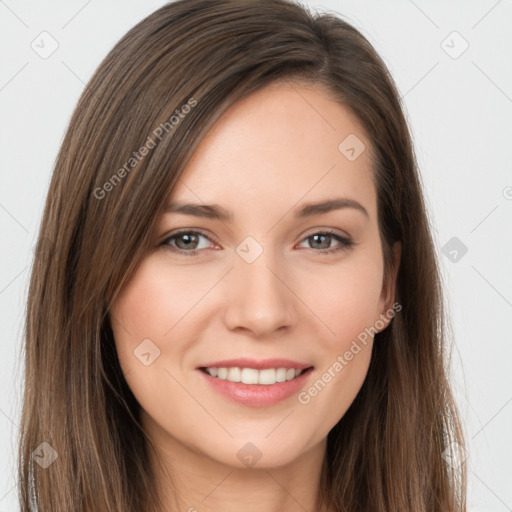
260,364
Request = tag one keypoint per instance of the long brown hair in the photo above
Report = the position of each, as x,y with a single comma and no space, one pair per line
162,87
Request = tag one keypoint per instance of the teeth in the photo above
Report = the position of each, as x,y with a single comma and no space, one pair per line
234,374
268,376
249,376
264,377
281,374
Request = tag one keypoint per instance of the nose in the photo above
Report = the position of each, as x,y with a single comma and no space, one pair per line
260,297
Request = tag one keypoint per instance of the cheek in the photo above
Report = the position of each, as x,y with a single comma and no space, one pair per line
154,303
346,300
346,353
146,319
348,303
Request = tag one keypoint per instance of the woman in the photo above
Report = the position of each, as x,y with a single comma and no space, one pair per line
189,346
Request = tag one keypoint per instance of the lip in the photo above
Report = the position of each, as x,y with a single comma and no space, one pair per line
258,395
261,364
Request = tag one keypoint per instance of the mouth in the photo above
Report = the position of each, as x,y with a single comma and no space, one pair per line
256,387
253,376
256,382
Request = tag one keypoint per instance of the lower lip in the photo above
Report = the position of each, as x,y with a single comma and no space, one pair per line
257,395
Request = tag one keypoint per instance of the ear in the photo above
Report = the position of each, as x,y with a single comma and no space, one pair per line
389,286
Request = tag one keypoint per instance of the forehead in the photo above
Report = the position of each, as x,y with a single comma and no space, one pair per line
280,145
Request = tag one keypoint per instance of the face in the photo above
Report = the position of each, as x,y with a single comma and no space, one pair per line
271,285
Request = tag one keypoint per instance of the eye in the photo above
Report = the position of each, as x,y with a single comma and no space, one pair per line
186,242
322,241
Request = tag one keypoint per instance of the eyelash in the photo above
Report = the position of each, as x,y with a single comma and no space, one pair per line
345,243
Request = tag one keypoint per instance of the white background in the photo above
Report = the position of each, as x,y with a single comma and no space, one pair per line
460,113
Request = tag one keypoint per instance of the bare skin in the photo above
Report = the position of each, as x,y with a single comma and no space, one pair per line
267,156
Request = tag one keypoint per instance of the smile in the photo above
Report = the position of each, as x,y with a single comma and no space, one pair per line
265,377
253,387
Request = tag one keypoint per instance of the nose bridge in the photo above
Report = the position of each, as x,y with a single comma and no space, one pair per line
257,298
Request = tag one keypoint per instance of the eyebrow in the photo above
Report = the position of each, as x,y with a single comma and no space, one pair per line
214,211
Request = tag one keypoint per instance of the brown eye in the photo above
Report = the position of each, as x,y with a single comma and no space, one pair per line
186,242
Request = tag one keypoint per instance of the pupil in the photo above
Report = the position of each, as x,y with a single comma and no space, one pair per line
326,237
191,239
